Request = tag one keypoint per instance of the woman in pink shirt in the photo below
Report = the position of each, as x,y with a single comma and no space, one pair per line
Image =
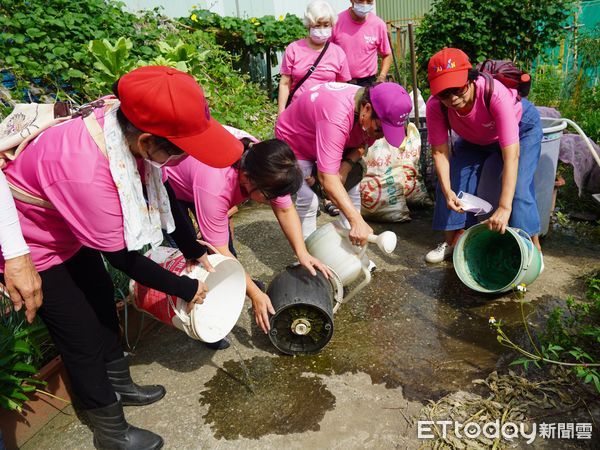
508,128
76,206
363,36
266,173
331,126
301,55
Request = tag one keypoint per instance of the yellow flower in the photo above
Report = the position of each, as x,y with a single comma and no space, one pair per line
492,320
281,18
194,18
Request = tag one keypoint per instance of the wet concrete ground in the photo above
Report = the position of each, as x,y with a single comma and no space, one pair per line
416,333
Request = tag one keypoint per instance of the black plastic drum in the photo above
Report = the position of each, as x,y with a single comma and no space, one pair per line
303,320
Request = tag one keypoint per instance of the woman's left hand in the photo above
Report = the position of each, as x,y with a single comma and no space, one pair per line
499,220
312,263
203,261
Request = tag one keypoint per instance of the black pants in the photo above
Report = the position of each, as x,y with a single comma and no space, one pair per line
80,312
192,207
363,82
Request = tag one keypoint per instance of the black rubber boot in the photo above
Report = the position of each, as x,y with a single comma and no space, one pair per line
111,431
131,394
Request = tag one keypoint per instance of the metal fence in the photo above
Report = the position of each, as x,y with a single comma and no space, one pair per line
402,10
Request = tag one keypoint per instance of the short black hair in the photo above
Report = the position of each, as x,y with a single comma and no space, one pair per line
131,132
366,98
272,167
473,74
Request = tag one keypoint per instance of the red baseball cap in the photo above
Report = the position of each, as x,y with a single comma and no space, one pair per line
169,103
448,68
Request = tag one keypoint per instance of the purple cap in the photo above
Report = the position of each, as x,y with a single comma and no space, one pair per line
392,105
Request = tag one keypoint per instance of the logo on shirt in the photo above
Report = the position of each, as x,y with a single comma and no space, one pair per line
335,86
489,125
370,39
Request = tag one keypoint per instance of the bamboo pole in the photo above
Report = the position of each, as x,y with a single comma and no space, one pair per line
269,79
413,62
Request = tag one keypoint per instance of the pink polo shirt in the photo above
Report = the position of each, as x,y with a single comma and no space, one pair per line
214,192
480,126
319,125
64,166
299,57
362,42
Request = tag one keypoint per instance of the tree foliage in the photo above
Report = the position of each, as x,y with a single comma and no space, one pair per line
498,29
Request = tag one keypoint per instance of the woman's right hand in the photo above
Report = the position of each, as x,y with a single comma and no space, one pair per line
261,304
360,232
453,202
199,297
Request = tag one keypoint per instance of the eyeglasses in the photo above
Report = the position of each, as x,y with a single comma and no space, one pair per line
263,193
456,92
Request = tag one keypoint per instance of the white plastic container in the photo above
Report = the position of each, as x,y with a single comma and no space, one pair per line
545,173
330,244
210,321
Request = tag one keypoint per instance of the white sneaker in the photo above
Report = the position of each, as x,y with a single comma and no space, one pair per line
440,253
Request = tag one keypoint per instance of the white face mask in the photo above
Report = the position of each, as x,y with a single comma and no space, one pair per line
172,160
362,9
320,35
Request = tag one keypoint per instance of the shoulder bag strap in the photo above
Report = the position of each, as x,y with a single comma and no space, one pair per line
97,134
28,198
489,89
308,74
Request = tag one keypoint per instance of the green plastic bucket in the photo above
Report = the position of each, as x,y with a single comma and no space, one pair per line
490,262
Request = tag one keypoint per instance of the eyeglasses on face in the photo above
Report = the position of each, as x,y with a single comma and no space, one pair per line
265,195
456,92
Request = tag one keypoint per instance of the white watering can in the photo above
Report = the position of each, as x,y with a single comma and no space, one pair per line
330,244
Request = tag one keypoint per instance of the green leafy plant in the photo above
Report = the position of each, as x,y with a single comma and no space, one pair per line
571,337
44,42
502,29
111,60
23,348
253,35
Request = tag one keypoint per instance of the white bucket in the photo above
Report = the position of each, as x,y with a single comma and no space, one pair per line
210,321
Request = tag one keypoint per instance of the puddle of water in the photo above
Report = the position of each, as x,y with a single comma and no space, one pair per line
287,398
420,329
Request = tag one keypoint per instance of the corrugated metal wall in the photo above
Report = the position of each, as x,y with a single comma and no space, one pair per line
402,10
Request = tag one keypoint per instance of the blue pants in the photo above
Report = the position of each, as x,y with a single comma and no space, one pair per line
466,163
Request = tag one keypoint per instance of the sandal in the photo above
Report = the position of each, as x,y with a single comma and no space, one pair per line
331,209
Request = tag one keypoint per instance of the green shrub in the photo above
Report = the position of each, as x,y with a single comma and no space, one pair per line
500,29
53,50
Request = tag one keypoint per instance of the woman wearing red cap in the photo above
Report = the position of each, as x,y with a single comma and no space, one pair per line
509,128
332,125
267,173
80,198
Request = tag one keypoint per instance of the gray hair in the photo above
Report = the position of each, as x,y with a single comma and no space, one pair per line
318,10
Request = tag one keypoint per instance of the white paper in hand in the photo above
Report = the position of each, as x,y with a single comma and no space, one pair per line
474,204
